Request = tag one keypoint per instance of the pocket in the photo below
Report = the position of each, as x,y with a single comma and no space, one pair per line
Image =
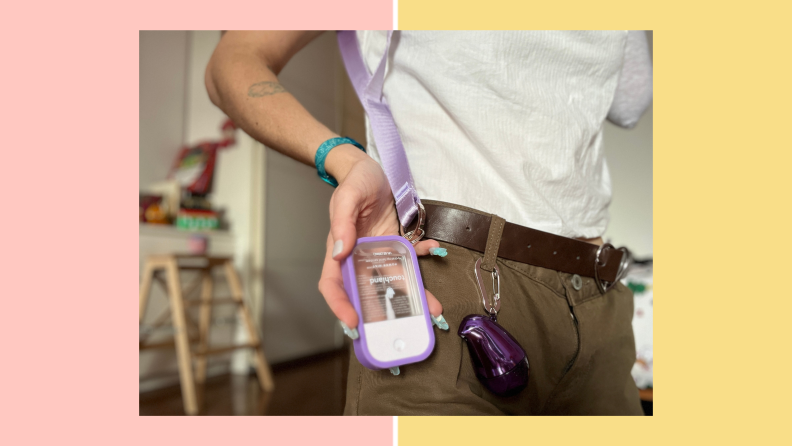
451,280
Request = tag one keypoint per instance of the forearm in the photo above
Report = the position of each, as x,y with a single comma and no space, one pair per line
242,82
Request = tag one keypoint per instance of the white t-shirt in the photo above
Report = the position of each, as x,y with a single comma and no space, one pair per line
507,122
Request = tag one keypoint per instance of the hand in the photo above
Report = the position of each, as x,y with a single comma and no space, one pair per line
361,206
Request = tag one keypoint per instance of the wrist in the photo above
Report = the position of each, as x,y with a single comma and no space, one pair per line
342,158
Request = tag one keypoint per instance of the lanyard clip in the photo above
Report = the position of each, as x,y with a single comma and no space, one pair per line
416,234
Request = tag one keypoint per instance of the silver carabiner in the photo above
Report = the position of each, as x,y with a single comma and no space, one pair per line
491,305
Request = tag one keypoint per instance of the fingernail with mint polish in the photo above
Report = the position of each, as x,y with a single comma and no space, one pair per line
438,252
338,247
351,332
440,322
395,370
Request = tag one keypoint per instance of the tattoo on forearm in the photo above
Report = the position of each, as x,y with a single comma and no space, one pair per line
265,89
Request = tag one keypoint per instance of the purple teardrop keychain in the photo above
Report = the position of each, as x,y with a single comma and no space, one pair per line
499,361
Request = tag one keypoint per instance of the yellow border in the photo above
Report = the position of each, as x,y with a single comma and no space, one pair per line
721,172
499,14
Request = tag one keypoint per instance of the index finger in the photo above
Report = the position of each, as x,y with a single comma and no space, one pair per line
422,248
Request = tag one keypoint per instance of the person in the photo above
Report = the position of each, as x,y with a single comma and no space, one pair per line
503,133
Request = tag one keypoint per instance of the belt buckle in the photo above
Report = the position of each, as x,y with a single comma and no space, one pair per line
604,286
416,234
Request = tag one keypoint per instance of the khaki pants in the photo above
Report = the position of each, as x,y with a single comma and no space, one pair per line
579,344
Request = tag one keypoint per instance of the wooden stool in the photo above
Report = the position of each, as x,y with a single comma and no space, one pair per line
169,266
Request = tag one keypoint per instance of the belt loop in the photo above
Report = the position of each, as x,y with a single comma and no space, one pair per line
493,243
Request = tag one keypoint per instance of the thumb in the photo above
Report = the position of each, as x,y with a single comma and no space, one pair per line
344,211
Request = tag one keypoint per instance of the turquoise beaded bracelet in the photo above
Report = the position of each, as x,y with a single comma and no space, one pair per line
322,152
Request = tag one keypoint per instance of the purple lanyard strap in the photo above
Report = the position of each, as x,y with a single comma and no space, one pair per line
394,159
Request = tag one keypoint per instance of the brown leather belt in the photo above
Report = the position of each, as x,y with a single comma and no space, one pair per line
469,228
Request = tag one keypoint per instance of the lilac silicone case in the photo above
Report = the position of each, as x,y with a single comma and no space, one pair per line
361,351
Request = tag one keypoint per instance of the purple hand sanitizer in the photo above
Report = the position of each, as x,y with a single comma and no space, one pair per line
384,284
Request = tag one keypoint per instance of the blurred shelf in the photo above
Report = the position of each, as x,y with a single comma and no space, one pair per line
171,231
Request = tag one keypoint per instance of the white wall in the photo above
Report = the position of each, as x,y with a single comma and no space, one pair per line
163,63
629,157
203,119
